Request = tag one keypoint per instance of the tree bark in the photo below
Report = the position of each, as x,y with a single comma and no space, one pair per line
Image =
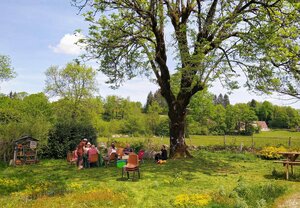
178,147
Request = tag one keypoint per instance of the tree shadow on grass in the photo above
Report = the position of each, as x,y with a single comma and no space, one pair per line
190,167
282,177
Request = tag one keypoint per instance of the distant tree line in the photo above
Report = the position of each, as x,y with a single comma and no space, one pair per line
25,114
212,114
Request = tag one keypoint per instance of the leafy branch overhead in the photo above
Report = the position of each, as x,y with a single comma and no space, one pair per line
211,40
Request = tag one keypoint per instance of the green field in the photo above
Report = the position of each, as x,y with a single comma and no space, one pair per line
220,179
272,138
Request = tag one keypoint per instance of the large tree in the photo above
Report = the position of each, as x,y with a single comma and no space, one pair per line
209,41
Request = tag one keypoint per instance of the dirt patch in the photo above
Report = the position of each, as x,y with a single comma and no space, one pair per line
292,202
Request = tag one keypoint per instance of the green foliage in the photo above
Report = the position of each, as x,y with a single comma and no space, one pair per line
25,115
265,111
73,84
246,195
258,195
73,81
6,70
162,128
65,137
156,99
134,125
137,146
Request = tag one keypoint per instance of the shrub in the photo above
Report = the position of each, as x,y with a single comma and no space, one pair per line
65,137
249,195
259,194
137,146
271,152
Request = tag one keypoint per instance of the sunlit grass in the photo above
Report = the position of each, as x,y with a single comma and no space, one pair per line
54,183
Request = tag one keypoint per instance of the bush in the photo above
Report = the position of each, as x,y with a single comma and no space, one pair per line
272,153
259,194
137,146
249,195
65,137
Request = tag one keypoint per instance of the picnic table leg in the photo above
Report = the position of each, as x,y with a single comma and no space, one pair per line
287,171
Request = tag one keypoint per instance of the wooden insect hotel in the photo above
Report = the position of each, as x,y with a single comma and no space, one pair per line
25,150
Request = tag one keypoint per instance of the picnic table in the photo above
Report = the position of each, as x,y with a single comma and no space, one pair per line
290,159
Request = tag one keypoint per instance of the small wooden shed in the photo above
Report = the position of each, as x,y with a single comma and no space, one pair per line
25,150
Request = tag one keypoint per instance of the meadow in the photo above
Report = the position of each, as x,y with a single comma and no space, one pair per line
270,138
210,179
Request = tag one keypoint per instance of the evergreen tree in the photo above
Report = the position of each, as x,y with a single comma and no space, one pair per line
149,101
161,101
253,104
226,100
220,99
215,100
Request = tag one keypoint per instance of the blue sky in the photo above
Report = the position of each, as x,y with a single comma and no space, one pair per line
39,33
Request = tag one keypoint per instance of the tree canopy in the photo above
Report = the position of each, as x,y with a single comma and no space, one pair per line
73,83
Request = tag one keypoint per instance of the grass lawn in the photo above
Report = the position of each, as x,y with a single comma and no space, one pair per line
271,138
220,179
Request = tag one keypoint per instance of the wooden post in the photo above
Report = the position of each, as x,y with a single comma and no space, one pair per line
287,170
4,157
241,147
224,139
289,141
252,142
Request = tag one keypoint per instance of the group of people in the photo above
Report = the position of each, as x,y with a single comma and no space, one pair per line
85,149
113,150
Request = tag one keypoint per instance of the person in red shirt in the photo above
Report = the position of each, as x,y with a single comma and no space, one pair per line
80,153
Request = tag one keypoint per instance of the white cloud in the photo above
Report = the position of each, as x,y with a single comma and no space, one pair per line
67,44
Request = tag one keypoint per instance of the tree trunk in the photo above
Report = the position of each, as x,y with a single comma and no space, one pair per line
178,147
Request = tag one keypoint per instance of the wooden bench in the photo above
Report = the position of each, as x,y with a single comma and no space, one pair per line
288,163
